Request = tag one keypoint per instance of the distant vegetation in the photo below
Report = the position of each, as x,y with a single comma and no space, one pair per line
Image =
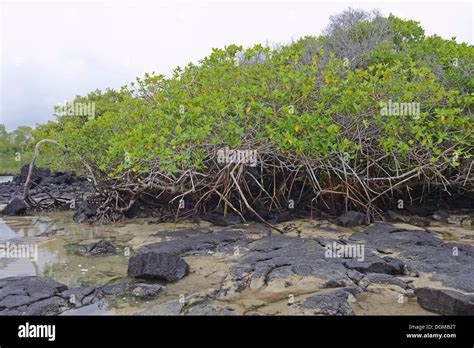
14,149
371,111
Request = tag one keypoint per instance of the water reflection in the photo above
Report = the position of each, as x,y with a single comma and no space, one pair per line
6,178
58,240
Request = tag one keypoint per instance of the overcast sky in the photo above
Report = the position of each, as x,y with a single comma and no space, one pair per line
53,51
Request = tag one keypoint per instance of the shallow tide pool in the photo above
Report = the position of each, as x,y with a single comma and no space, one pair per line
55,240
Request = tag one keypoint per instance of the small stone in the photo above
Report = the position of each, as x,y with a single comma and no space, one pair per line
100,248
441,215
351,219
145,291
419,221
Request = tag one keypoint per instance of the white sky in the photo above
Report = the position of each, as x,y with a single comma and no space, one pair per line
52,51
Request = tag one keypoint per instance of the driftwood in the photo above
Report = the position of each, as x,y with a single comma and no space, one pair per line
26,196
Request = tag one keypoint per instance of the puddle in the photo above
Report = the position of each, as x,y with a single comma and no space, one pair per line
57,239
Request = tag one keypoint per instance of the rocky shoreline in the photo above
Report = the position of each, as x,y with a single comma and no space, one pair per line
274,265
267,273
58,189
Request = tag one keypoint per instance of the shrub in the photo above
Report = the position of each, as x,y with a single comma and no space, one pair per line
316,121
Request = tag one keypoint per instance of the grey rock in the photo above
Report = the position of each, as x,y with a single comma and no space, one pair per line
83,213
31,296
100,248
83,296
112,289
332,303
394,216
441,215
168,308
145,291
351,219
205,308
194,243
50,306
419,221
387,265
221,220
37,174
282,256
422,251
157,265
378,278
60,178
16,207
446,302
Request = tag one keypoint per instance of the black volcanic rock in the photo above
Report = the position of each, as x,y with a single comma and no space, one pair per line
160,266
446,302
16,207
351,219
